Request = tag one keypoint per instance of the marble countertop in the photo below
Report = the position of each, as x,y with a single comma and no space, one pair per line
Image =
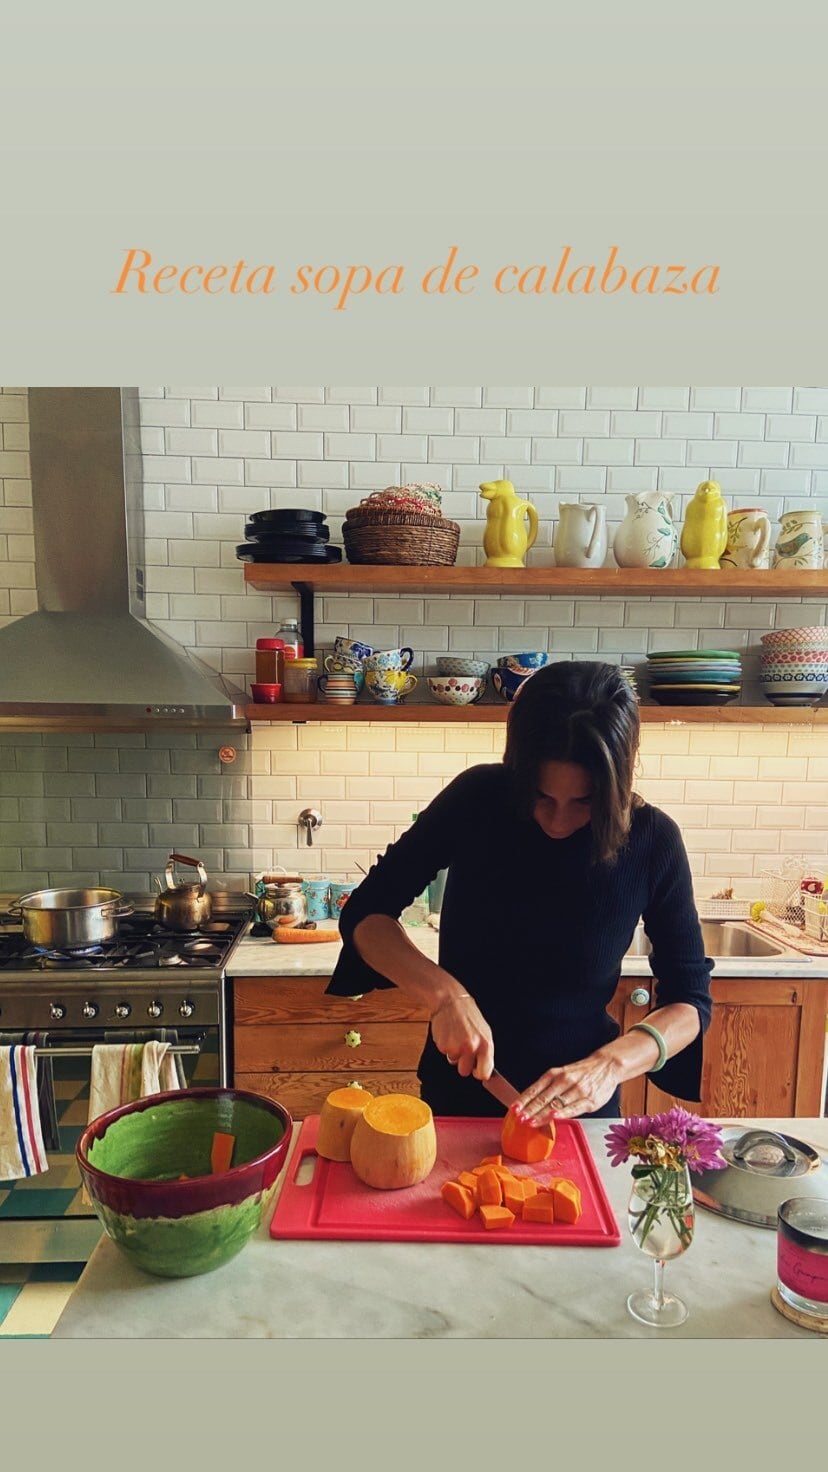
265,957
329,1290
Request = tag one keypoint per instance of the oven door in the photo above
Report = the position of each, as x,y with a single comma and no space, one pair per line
44,1218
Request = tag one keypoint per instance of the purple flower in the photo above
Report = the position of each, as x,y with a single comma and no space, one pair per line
695,1141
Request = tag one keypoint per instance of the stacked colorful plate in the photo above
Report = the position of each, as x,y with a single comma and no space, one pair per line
694,676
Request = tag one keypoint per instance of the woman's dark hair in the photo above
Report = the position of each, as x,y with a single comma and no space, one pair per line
586,713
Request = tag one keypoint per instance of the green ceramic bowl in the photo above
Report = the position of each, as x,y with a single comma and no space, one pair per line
132,1161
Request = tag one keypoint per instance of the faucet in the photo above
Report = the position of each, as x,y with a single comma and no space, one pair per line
310,819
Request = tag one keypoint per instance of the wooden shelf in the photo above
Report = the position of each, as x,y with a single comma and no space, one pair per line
473,714
618,582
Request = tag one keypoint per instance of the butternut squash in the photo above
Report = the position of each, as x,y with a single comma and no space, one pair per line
496,1216
526,1142
460,1198
221,1152
337,1119
540,1208
489,1191
566,1199
394,1142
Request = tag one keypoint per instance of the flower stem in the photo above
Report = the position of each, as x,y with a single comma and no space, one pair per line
658,1284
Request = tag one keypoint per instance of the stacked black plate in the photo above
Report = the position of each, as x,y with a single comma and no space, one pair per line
287,536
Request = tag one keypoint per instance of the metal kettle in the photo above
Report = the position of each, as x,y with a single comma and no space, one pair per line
183,906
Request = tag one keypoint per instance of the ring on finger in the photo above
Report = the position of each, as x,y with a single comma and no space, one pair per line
557,1102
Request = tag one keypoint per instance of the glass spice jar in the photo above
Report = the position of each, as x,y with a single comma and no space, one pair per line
299,680
270,658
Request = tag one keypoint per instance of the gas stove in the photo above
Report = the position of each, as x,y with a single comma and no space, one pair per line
146,975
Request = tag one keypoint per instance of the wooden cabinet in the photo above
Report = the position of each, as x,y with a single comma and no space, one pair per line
289,1040
763,1052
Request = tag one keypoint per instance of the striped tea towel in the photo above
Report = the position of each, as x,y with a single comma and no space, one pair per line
22,1151
121,1072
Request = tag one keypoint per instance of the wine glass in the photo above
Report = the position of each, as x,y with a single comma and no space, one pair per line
660,1217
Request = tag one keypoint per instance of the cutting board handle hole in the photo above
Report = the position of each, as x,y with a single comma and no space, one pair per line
306,1169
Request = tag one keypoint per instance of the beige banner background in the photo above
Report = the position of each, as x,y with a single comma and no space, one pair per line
380,134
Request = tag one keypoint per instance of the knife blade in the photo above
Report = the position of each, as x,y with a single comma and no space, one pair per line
503,1091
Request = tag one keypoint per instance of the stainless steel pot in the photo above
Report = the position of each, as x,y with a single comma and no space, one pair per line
70,919
183,906
763,1170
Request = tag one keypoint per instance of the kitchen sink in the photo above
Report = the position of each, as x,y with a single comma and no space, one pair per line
722,938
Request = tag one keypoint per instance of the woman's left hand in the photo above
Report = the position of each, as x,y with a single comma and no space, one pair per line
564,1093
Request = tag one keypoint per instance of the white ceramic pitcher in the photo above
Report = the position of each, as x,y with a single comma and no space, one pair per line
581,535
647,536
800,542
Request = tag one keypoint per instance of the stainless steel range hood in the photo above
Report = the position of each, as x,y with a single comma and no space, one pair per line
88,659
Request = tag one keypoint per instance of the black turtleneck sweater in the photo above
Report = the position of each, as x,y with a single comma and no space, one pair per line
536,932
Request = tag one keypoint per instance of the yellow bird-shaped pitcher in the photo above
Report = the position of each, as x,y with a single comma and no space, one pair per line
704,536
506,539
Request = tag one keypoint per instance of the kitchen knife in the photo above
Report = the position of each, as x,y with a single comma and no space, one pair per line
503,1091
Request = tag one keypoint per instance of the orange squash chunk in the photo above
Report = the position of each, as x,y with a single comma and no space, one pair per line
514,1196
503,1172
566,1199
539,1208
221,1152
468,1180
489,1192
492,1160
526,1142
459,1198
530,1188
496,1216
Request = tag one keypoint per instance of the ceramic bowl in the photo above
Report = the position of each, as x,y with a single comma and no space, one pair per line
132,1160
813,637
525,662
455,689
453,664
507,682
351,648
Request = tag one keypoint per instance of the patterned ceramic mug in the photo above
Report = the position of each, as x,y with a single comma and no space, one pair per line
390,659
351,648
748,539
389,687
339,689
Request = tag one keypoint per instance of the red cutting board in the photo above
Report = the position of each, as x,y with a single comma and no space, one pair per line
335,1205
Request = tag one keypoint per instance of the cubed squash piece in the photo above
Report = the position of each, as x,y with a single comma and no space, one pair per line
459,1198
539,1208
467,1179
496,1217
566,1199
489,1191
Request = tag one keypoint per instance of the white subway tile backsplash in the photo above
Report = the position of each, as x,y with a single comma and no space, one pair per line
212,457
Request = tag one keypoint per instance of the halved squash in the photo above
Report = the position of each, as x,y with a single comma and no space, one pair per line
337,1119
394,1142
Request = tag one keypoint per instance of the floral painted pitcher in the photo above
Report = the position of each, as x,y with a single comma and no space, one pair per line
647,536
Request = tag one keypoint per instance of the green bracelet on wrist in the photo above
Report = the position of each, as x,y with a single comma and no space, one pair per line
662,1046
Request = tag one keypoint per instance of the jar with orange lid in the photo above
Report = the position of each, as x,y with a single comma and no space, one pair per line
299,680
270,658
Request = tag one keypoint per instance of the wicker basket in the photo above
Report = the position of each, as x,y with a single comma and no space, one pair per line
399,537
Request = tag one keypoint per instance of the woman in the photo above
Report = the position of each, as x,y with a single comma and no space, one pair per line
552,861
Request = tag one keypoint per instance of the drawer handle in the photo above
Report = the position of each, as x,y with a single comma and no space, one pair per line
353,1038
639,996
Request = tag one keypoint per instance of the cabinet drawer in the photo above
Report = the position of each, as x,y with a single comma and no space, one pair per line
320,1047
263,999
305,1093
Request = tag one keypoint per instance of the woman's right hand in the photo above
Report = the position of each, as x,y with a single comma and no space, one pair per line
461,1032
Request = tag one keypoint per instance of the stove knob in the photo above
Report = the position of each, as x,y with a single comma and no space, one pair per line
56,1012
123,1009
154,1009
186,1009
90,1009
